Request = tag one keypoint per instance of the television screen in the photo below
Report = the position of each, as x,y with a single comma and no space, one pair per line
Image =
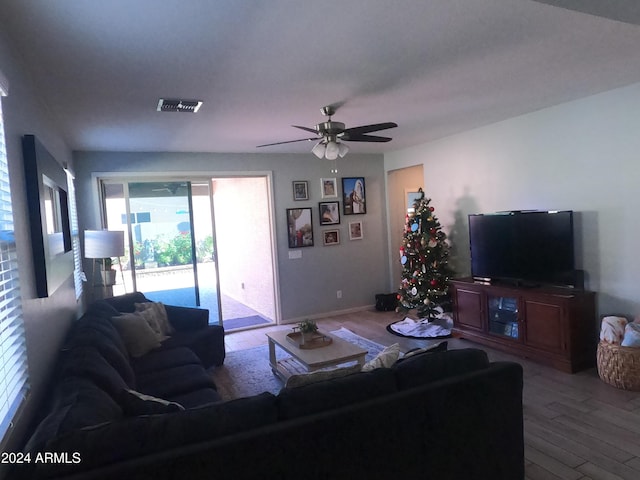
523,247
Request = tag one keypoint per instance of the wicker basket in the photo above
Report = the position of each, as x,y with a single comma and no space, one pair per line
619,366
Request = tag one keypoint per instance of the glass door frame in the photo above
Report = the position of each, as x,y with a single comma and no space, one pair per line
101,178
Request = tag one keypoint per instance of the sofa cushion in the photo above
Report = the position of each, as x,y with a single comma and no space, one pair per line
174,381
334,393
422,369
158,315
126,303
92,334
132,437
196,398
77,403
163,359
87,362
207,343
102,309
134,403
102,325
138,336
438,347
301,379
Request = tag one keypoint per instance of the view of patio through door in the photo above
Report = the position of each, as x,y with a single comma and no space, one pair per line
184,245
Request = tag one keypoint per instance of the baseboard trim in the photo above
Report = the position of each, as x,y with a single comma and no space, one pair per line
318,316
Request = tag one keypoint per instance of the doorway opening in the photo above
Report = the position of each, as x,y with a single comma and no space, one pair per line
401,185
197,242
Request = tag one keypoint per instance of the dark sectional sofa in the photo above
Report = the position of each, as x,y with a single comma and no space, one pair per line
445,415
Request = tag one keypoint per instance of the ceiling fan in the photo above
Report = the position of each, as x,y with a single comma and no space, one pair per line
331,135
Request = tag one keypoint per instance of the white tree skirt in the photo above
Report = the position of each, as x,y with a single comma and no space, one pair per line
438,328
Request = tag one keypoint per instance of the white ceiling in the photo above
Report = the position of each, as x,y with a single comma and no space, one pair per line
435,67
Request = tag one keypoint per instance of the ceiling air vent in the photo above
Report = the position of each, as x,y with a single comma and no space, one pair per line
172,105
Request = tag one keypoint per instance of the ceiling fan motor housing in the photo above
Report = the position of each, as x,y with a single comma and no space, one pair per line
330,128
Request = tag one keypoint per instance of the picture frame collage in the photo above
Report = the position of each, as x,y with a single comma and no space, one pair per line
300,219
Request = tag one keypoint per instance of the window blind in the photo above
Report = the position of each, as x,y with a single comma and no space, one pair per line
13,352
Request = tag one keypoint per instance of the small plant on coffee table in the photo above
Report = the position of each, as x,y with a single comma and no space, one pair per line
308,326
307,329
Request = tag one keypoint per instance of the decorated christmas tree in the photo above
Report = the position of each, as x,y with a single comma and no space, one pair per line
424,257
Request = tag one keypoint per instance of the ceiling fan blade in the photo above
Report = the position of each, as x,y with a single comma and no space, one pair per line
363,138
289,141
370,128
308,129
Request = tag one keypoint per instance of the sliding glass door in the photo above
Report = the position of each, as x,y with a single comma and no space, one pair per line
164,261
183,251
169,241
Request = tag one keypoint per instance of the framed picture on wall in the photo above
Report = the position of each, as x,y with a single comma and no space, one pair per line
355,202
329,213
355,231
300,190
331,237
329,187
300,227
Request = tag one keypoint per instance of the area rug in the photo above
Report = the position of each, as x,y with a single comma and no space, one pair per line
244,322
247,372
439,328
371,347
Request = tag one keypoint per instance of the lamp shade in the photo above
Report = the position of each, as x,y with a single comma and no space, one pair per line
332,150
103,243
318,149
342,150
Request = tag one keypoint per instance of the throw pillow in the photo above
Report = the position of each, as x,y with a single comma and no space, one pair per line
384,359
321,375
137,335
152,319
160,316
134,403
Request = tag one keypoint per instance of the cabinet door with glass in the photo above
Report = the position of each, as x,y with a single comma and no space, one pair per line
503,316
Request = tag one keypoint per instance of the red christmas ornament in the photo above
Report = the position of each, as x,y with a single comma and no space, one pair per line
431,209
433,282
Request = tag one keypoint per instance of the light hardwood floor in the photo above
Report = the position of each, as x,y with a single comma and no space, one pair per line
575,426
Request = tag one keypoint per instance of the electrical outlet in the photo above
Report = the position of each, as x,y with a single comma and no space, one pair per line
339,294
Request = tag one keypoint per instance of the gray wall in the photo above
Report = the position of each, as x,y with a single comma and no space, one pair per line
580,156
308,285
46,319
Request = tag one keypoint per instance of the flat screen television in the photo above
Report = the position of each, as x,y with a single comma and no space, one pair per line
524,248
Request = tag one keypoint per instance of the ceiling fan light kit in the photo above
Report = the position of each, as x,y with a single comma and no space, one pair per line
330,150
332,136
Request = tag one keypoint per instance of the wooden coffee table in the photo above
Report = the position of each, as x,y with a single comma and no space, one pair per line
339,351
